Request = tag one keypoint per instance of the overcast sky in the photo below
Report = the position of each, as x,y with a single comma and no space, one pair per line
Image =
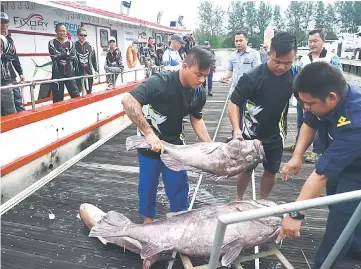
147,9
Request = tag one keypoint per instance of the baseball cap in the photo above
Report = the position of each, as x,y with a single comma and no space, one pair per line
178,37
4,17
111,38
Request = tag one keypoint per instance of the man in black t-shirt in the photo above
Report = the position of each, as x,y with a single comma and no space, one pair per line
157,107
259,106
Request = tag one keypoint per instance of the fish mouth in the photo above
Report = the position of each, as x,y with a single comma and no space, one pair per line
259,148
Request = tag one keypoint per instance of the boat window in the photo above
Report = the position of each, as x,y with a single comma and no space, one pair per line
104,38
115,34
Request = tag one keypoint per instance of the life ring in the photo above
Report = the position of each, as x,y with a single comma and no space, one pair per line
131,56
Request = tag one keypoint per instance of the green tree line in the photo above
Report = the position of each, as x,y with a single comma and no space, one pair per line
218,25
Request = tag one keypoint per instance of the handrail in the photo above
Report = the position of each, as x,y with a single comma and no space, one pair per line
32,84
224,220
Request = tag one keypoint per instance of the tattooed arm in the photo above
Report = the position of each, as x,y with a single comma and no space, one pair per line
134,111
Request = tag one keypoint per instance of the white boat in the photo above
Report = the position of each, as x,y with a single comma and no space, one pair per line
46,136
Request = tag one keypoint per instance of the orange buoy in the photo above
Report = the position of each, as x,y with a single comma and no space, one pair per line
131,56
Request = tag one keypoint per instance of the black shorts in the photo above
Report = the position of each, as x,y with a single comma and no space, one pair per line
273,159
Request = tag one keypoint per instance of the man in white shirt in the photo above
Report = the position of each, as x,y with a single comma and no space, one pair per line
171,57
318,52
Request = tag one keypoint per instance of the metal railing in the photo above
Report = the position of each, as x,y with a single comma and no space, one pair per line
224,220
33,84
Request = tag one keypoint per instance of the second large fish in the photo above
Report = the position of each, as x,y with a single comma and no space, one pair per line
214,159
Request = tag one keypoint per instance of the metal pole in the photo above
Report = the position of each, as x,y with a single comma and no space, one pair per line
345,235
61,79
32,95
217,245
135,76
294,206
254,197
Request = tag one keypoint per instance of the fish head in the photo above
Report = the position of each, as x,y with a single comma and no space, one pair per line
90,215
250,152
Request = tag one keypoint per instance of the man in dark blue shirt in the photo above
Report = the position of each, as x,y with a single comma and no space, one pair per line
333,107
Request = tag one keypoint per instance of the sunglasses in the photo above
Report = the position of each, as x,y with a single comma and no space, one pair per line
83,35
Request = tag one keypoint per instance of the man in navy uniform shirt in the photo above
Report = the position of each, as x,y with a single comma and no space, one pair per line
333,107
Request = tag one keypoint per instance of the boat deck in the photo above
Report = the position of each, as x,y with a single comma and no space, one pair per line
108,178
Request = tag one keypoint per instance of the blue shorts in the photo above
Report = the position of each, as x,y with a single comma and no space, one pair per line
175,184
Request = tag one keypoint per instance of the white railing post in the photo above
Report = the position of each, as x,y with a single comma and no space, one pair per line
217,244
32,96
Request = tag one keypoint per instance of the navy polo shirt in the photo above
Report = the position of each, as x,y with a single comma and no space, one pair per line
340,133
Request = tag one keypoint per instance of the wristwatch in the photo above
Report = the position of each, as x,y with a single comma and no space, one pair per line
297,215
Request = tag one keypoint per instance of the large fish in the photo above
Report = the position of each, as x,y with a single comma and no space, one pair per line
191,233
216,159
91,215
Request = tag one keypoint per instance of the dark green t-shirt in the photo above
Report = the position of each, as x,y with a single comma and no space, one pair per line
165,103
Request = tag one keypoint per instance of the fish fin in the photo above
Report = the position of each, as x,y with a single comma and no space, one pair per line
148,262
112,224
233,252
216,178
149,250
103,240
172,163
208,150
136,141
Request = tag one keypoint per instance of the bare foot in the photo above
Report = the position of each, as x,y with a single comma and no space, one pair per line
147,220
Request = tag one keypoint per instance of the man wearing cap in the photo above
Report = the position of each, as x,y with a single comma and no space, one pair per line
11,99
171,57
207,46
65,64
87,60
113,63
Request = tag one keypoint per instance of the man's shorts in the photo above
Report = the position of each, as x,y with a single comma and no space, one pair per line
273,159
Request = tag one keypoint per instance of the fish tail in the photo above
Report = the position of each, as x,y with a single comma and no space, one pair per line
136,142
